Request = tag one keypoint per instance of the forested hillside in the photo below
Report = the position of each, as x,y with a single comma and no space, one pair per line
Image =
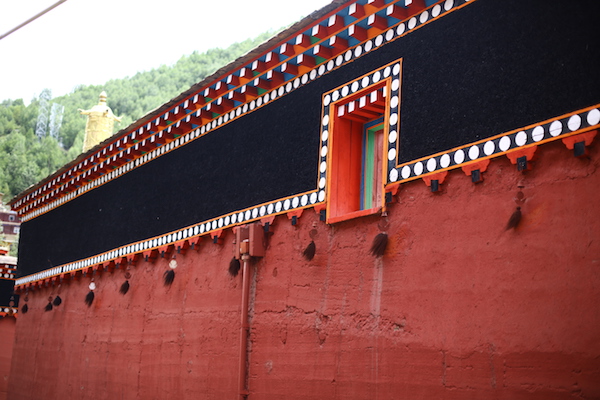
25,158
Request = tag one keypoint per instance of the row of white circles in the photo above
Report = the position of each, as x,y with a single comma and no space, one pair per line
520,139
362,84
353,88
10,276
8,310
247,215
312,75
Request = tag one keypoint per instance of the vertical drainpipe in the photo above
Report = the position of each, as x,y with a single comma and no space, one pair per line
244,326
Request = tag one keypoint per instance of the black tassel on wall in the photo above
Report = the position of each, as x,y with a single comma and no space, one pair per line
310,250
169,277
514,220
234,267
124,287
379,244
89,298
24,309
57,301
48,306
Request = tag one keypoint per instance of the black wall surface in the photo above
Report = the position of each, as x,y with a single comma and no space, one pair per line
493,66
6,292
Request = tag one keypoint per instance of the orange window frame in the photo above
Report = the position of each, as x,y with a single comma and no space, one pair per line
345,174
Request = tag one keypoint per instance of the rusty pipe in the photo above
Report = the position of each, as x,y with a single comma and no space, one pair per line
244,328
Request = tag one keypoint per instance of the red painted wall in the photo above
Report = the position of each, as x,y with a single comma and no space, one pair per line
458,308
7,335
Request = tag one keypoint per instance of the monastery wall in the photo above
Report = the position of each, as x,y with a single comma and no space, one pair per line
457,308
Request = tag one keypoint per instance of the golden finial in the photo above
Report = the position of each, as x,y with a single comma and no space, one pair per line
100,122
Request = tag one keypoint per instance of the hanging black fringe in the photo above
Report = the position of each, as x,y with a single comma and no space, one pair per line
310,250
124,287
25,308
48,307
234,267
169,276
514,220
379,244
89,298
57,301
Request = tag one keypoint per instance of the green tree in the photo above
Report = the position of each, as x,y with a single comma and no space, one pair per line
26,159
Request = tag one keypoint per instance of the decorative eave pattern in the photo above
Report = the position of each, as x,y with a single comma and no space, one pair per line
510,142
577,127
332,40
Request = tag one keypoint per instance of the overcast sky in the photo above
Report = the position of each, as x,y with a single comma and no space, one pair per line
90,42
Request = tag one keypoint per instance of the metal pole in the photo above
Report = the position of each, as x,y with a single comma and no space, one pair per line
244,327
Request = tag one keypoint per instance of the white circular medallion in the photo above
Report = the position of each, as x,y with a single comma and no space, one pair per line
392,154
473,152
393,175
521,138
418,168
431,164
555,128
345,91
376,77
400,29
593,117
537,134
389,35
504,143
574,122
365,82
405,172
444,161
393,136
489,147
459,156
412,23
